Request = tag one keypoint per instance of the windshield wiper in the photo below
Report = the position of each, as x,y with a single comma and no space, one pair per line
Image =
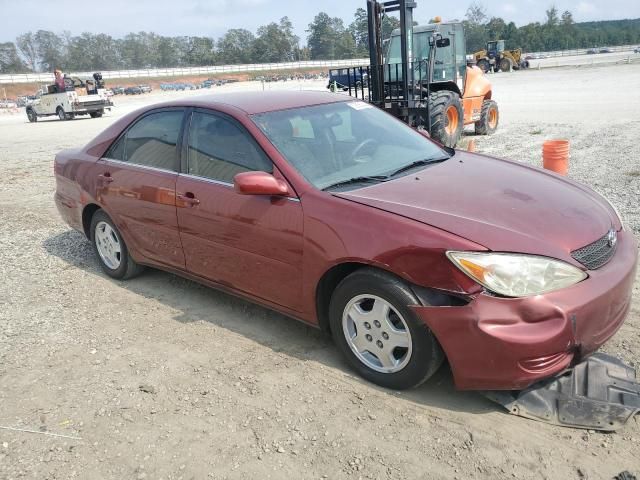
417,163
354,180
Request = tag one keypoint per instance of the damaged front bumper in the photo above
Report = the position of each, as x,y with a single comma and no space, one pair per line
495,343
601,393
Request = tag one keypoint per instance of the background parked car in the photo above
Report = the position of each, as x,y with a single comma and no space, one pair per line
133,91
145,88
8,104
117,90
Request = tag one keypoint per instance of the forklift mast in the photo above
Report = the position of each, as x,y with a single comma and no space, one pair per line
375,12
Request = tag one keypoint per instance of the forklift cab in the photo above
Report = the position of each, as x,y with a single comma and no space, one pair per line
445,41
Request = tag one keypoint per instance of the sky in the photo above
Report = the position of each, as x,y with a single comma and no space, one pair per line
214,17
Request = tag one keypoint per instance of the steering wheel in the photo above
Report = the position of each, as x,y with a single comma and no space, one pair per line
355,153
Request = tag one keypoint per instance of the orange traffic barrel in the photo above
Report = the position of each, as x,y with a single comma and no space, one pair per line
555,156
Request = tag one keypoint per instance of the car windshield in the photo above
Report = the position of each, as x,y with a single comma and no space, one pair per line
346,143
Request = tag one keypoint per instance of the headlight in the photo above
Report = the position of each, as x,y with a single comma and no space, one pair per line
515,275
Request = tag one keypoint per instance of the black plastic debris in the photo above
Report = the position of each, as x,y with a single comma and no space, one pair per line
600,393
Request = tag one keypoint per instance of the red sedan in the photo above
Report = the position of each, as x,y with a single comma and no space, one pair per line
337,214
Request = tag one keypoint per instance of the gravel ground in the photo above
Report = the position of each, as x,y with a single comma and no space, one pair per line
159,377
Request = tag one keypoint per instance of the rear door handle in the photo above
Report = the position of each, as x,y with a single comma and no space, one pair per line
188,199
106,177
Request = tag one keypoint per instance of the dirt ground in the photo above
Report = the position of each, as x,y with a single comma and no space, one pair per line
161,378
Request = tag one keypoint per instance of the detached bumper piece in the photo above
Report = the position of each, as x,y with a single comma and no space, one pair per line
600,393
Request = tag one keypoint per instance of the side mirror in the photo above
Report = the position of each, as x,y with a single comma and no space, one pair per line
259,183
443,42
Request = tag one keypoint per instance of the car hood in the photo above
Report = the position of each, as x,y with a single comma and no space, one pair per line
502,205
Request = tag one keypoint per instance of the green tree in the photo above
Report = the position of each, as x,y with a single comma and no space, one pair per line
200,51
10,61
27,46
276,42
475,27
552,16
236,46
52,50
329,39
359,30
567,18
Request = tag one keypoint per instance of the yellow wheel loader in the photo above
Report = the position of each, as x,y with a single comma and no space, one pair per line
495,57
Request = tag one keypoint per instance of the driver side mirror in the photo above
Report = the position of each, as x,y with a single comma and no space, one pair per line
259,183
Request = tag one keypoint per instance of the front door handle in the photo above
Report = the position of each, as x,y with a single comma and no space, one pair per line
188,199
105,177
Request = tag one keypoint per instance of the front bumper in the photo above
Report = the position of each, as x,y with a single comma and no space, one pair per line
495,343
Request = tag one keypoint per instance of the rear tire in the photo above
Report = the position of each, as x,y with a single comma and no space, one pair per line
111,249
489,118
61,114
95,114
447,118
370,316
31,115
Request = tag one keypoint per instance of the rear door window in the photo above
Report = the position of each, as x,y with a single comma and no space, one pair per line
151,141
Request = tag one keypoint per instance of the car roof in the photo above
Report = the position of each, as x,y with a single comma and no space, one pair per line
260,102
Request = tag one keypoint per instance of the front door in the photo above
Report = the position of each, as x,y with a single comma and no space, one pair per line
137,186
250,243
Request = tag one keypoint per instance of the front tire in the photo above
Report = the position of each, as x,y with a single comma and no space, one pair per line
380,336
489,118
506,65
31,115
446,117
111,249
483,65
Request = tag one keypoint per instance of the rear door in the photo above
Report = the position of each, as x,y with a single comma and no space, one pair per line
250,243
137,185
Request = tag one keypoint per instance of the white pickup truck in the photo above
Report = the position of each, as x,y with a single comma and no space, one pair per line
67,105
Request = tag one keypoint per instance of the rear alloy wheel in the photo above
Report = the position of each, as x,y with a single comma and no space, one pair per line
446,122
61,114
380,336
111,249
31,115
489,118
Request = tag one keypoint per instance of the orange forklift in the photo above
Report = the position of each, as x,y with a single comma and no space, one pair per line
420,75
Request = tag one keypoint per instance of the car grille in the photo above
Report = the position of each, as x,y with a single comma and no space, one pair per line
596,254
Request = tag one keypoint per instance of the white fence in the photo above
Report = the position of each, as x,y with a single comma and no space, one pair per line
584,51
192,71
183,72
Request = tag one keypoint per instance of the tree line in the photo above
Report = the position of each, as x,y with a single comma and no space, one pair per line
328,39
558,31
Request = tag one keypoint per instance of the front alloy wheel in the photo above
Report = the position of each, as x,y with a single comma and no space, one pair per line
380,335
377,334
